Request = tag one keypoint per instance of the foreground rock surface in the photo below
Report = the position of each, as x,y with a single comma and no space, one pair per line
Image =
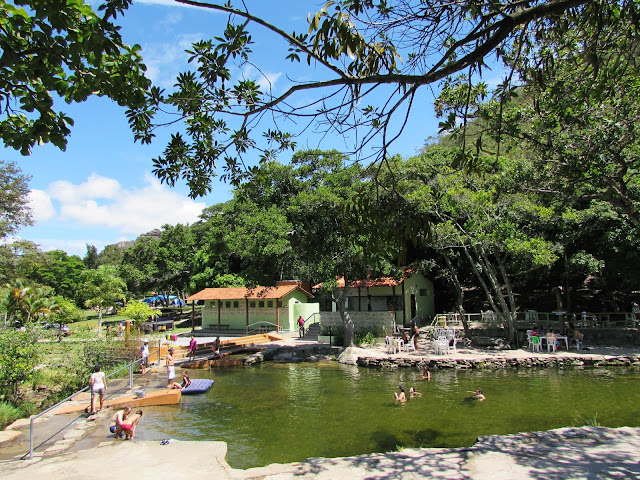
567,453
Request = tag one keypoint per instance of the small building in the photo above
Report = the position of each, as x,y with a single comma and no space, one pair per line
255,308
411,297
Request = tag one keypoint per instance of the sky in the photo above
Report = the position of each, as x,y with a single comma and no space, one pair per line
101,190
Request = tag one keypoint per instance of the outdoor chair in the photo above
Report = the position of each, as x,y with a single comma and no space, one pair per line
579,342
536,344
451,336
410,345
551,345
441,345
529,339
389,342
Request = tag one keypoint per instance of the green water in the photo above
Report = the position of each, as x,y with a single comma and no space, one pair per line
280,413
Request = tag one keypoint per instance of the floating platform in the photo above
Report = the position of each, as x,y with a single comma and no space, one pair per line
198,385
164,396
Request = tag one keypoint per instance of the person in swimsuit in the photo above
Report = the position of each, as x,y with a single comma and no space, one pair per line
186,381
171,371
119,418
400,397
414,393
478,395
98,382
130,424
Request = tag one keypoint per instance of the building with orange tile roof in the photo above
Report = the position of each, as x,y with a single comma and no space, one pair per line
254,308
409,297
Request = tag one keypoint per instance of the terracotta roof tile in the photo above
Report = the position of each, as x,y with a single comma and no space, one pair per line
369,282
252,293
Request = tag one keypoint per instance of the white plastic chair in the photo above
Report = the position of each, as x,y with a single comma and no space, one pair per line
552,345
398,345
451,336
442,345
389,341
579,342
529,339
410,346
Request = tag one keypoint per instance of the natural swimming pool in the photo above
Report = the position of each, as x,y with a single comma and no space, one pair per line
280,413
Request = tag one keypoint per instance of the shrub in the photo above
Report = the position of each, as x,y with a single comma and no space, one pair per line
8,414
18,359
364,339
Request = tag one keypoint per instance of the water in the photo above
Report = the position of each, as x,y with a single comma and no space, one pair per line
280,413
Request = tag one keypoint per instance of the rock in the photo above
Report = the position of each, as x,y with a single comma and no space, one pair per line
8,435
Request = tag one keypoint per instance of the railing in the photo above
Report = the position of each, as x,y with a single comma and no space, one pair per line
544,319
262,327
35,417
312,320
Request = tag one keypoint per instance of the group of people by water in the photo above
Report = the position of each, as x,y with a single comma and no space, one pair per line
569,332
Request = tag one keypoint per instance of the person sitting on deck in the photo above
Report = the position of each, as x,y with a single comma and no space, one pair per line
552,339
186,381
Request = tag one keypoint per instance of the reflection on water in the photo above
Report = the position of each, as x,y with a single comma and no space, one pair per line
278,413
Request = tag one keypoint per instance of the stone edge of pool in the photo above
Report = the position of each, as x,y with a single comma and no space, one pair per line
579,452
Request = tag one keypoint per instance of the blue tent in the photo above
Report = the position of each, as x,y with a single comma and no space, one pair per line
170,299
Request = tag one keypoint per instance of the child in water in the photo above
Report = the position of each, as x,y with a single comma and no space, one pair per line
401,397
478,395
414,393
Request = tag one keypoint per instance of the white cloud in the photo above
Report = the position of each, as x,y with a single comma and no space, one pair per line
96,186
41,206
103,202
165,61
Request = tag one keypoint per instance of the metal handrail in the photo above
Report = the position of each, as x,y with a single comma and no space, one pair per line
34,417
310,317
262,324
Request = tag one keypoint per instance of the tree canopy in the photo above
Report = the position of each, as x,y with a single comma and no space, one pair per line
14,199
369,57
54,51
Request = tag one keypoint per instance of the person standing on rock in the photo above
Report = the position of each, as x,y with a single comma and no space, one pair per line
171,371
144,354
98,385
192,348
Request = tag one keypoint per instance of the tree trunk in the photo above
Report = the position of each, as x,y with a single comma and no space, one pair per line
459,295
347,322
99,322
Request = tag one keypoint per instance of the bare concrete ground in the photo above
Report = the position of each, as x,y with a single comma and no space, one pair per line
570,453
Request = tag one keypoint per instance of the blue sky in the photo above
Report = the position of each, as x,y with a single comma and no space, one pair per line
101,190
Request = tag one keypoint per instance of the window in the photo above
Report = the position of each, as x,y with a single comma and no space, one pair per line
261,304
423,292
220,303
252,304
279,303
228,304
270,303
235,304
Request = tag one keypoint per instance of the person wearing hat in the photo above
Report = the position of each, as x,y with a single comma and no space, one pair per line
144,354
171,371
